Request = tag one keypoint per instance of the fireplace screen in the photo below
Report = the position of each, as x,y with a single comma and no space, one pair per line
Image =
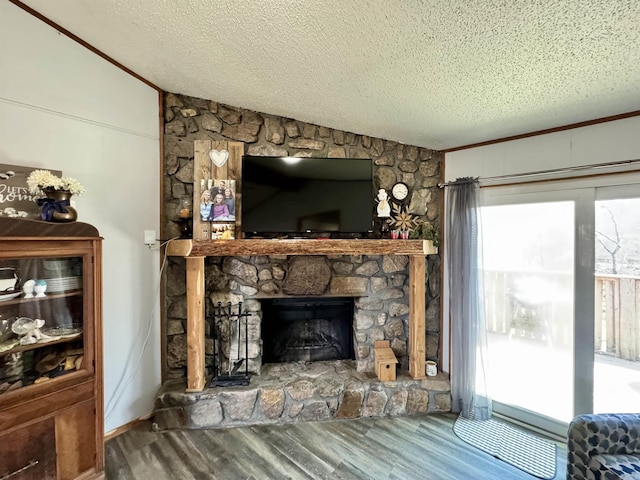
307,329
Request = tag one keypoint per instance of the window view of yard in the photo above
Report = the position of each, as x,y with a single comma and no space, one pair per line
617,306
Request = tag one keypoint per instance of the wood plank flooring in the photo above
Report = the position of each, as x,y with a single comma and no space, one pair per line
398,448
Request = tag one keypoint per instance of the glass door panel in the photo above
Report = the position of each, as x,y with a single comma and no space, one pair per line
41,320
528,256
617,306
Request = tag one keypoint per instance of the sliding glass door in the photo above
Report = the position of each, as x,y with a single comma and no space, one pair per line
617,301
562,297
529,280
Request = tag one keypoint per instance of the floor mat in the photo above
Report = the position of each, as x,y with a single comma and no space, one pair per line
523,450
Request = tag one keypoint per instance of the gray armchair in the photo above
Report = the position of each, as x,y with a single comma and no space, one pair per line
604,446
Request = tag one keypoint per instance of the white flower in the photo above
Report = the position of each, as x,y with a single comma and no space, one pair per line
73,185
39,180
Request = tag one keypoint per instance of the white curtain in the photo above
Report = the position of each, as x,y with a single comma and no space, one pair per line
466,305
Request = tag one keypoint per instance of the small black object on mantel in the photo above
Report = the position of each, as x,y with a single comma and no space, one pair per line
231,378
186,230
381,229
185,217
384,229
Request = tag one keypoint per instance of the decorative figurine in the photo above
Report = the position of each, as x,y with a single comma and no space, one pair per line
28,288
384,209
29,331
40,287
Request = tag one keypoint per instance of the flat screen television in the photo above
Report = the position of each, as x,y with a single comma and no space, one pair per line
307,196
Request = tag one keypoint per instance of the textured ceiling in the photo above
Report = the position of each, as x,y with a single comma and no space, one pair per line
432,73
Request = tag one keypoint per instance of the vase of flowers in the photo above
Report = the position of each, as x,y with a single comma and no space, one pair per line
56,207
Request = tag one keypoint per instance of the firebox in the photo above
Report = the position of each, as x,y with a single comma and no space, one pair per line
308,329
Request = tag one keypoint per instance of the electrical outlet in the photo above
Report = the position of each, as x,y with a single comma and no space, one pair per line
149,237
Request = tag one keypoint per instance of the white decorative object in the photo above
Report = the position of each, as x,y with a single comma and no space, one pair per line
9,279
432,368
29,331
42,180
384,209
40,287
28,288
219,157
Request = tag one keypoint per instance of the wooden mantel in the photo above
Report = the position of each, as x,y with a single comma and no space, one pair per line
195,252
230,248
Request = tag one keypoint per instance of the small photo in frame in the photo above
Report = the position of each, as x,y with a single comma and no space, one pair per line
223,231
205,199
223,201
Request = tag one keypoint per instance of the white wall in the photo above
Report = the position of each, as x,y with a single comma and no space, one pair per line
607,142
63,107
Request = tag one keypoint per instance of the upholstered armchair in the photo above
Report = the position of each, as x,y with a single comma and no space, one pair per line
604,446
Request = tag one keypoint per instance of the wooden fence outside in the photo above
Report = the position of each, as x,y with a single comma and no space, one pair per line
617,316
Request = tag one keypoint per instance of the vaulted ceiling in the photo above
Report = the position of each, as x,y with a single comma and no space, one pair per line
432,73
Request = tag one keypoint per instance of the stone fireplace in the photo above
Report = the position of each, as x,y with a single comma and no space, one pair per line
377,284
375,287
307,329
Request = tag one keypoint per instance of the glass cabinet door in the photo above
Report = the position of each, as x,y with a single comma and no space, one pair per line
42,312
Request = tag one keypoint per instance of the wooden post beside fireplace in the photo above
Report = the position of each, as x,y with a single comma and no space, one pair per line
195,252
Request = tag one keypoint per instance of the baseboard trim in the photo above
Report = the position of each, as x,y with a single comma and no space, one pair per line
126,427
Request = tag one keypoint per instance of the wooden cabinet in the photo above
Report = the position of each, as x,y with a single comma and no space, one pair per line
51,406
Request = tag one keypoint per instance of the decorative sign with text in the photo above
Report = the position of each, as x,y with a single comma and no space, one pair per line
15,199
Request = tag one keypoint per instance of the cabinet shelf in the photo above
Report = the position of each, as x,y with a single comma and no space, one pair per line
51,296
35,346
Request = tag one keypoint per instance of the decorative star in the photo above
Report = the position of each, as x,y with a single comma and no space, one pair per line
401,219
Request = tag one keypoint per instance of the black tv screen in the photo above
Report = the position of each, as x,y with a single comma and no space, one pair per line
299,196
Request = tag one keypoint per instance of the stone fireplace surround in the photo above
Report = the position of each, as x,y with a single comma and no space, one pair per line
378,284
281,393
188,119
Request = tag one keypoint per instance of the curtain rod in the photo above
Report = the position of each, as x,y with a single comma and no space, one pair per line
460,181
550,171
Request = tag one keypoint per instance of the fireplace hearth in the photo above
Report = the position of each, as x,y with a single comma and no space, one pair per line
307,329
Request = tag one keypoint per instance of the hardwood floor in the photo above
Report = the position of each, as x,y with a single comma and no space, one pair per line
398,448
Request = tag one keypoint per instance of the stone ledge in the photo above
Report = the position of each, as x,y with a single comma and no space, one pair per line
299,392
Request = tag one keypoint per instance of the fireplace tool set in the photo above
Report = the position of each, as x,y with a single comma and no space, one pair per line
224,316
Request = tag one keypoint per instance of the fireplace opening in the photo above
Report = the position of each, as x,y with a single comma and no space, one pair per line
308,329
